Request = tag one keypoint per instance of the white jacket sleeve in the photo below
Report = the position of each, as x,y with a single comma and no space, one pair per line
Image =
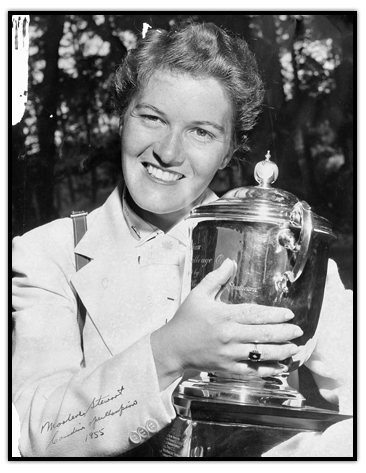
66,410
331,362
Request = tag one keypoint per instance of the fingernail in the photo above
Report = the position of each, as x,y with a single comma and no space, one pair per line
298,332
284,368
289,315
227,263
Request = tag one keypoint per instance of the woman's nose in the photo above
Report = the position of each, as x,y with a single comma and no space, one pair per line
169,149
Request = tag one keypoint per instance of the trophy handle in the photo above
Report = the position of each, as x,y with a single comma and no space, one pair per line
301,215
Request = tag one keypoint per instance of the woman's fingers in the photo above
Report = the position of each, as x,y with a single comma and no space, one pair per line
232,333
267,352
272,352
261,370
253,314
271,333
245,369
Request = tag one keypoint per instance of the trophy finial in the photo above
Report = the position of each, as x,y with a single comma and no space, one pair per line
266,171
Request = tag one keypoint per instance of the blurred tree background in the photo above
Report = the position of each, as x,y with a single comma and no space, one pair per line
66,150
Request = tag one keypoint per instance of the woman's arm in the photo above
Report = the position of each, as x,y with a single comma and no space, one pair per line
66,410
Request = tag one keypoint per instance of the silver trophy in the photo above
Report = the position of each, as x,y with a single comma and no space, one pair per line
281,249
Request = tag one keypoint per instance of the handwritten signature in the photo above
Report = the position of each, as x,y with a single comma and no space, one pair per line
111,413
56,439
94,403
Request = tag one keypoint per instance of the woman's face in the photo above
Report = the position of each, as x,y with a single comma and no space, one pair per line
176,134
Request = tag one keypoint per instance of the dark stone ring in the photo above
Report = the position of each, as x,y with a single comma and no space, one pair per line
255,355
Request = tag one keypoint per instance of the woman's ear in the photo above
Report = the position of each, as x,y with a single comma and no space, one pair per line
226,161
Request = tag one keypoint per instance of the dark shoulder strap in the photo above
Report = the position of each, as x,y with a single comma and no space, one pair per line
80,227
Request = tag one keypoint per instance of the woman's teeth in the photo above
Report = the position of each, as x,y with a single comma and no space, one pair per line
163,175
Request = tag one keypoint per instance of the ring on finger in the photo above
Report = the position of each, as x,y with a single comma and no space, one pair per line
255,354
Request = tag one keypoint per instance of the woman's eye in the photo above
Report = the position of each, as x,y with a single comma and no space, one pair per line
150,118
202,135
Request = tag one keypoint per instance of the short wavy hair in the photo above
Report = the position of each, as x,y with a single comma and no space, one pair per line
200,50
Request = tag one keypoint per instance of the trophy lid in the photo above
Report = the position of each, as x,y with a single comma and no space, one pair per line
262,203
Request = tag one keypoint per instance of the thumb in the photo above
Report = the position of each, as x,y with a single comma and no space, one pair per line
214,281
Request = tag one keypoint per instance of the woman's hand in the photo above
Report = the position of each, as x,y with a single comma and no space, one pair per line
208,335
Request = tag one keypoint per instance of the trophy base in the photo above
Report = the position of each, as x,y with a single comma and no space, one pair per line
271,391
211,428
224,418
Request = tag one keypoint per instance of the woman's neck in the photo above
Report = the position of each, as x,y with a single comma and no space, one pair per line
164,222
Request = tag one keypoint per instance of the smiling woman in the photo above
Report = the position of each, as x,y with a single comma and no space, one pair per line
174,154
186,100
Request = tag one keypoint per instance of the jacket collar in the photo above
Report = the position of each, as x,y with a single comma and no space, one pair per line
108,226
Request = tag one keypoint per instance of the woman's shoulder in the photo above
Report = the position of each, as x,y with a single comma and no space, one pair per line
57,230
53,240
51,234
45,248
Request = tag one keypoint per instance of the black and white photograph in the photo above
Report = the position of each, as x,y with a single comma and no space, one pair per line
182,235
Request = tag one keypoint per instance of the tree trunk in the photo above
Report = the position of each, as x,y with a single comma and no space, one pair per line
47,119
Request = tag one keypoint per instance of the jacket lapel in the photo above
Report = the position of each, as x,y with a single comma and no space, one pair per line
111,251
